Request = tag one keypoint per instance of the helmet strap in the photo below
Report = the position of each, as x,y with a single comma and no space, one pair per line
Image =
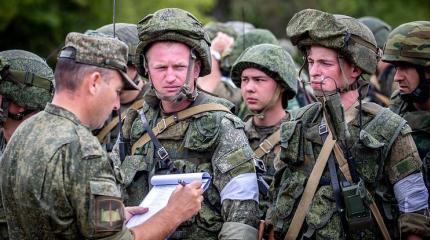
270,104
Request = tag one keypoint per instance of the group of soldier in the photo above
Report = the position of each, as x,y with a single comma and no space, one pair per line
80,145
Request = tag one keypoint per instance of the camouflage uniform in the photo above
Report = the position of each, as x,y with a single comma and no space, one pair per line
278,64
15,87
211,141
406,37
61,185
379,141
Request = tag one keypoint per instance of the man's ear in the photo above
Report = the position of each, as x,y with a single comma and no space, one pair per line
355,72
197,66
93,82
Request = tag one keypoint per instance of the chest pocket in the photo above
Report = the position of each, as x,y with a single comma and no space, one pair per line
203,132
368,156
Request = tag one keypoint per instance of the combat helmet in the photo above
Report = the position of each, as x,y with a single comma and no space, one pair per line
242,42
26,79
353,40
409,43
173,24
127,33
212,28
379,28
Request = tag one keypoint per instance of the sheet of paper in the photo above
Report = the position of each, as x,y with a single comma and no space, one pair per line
163,186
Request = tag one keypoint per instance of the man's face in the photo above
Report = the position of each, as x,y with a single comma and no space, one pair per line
324,69
107,98
407,77
257,88
168,65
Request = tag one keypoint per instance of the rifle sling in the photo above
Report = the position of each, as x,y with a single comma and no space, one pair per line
165,123
268,144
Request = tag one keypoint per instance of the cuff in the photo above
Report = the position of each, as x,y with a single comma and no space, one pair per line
415,223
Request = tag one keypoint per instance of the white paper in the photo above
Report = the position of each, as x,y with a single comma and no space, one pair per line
163,186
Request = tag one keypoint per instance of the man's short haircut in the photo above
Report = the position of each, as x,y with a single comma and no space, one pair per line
69,74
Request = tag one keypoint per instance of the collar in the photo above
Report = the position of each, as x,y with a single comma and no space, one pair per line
62,112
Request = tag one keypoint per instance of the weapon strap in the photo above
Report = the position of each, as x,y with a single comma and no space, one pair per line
112,124
310,189
165,123
268,144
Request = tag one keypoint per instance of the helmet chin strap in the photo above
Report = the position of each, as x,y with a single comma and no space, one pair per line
185,92
270,104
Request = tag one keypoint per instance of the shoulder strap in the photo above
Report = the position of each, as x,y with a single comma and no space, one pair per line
172,120
112,124
267,144
310,189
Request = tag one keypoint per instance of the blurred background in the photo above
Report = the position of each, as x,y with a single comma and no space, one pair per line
40,26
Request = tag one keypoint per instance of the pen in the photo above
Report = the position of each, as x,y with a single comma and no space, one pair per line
182,182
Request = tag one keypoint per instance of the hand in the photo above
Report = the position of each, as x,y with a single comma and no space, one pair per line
221,42
186,201
131,211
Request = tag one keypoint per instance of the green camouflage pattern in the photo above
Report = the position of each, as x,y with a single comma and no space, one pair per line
240,27
3,224
211,141
251,38
420,124
227,91
352,39
409,43
24,93
272,60
97,50
127,33
173,24
212,28
385,143
256,135
52,186
379,28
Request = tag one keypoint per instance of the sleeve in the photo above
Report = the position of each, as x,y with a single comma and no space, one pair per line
404,172
94,194
234,176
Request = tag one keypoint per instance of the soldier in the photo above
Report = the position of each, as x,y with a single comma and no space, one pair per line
181,129
57,180
408,49
382,81
127,33
25,88
373,180
266,75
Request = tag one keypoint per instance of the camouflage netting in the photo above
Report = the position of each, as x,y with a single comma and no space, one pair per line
409,42
272,60
244,41
352,39
27,80
173,24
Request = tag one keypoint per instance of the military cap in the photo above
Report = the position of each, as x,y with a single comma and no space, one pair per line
98,51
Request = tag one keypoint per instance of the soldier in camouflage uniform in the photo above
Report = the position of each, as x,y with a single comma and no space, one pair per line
57,180
267,76
25,87
127,33
174,51
382,81
408,48
373,146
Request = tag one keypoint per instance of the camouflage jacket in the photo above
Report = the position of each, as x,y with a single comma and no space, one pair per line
256,135
227,91
58,183
210,141
420,124
3,225
382,156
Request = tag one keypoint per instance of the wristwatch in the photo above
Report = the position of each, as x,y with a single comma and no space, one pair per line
216,55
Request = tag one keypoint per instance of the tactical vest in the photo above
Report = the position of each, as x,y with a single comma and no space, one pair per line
300,147
191,146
